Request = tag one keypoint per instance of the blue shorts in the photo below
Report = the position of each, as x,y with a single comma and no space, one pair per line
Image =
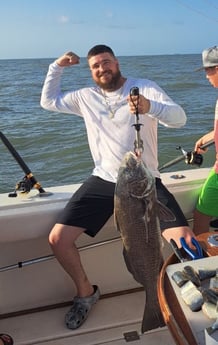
93,204
208,198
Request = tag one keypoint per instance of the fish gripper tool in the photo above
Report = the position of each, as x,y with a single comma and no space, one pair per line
138,143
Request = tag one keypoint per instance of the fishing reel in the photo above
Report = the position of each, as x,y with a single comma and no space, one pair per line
29,180
24,186
192,157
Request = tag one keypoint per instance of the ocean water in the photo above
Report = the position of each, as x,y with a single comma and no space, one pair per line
54,145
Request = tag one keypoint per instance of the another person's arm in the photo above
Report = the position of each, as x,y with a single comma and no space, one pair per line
203,140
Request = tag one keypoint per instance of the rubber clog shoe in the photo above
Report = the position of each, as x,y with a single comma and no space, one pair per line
78,313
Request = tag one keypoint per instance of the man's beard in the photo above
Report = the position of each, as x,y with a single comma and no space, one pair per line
112,85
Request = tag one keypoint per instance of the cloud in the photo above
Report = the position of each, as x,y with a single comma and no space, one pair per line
63,19
109,14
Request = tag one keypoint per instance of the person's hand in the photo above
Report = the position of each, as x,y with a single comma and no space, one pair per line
140,103
177,233
202,141
68,59
198,144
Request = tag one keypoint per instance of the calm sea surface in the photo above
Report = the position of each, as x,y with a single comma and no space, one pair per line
54,146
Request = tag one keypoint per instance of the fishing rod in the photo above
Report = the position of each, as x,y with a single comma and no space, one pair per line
22,264
29,181
191,157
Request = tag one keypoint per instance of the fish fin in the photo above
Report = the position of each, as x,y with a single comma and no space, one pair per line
125,254
127,262
116,223
152,319
165,213
129,266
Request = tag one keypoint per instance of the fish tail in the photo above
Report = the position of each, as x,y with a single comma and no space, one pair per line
152,319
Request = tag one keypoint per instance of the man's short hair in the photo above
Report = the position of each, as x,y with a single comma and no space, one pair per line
99,49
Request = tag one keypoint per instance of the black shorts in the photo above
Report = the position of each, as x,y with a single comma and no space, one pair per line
93,203
166,198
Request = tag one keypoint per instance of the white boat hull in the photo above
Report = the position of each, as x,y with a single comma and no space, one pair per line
25,223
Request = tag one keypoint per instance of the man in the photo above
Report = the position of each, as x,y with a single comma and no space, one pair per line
207,205
106,109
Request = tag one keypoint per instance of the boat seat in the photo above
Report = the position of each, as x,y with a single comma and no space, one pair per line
33,215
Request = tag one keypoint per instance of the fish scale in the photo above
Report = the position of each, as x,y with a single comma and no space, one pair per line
136,210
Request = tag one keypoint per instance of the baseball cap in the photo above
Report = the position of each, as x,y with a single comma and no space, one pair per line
209,58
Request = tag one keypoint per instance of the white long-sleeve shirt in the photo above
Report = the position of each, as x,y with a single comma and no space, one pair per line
110,138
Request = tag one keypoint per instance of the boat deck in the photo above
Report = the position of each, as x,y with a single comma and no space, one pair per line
109,322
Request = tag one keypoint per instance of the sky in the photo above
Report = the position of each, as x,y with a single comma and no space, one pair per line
49,28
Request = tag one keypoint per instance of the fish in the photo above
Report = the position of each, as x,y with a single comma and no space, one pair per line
205,273
136,217
214,283
192,275
180,278
210,310
209,296
212,328
192,296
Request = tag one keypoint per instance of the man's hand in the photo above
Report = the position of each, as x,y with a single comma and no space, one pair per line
143,104
68,59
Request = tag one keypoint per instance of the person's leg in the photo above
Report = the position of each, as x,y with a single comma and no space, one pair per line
207,204
87,211
62,240
201,222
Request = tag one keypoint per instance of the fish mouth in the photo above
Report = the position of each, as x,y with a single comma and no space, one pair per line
131,159
140,180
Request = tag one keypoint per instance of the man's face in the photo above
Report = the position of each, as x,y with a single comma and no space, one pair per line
212,75
105,70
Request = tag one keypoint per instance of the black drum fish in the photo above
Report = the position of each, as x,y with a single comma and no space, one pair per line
136,215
